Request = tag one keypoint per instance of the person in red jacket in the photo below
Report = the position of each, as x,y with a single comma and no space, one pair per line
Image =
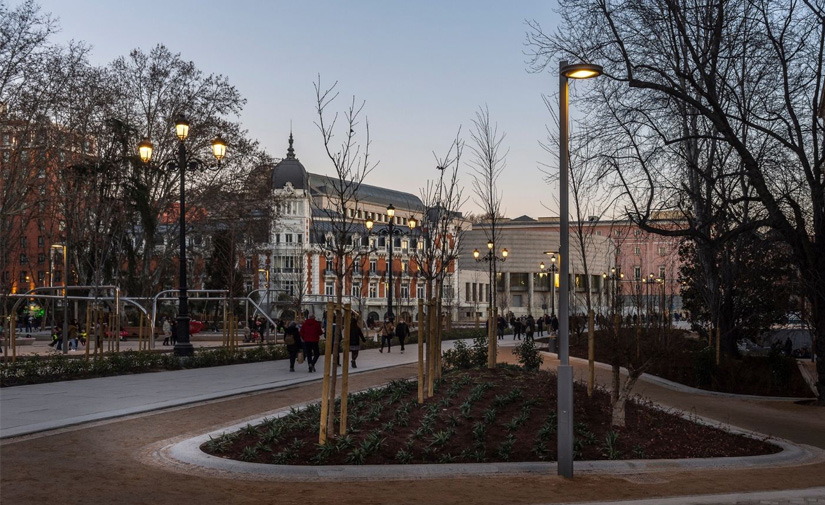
311,332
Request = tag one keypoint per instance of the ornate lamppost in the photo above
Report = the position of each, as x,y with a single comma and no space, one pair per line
390,231
491,258
183,162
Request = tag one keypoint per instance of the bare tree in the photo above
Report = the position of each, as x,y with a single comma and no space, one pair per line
749,75
487,164
340,234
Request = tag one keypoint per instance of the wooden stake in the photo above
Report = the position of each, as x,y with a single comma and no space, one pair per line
345,366
431,343
591,352
420,351
322,437
89,329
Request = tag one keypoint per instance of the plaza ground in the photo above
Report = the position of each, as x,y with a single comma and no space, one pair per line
111,459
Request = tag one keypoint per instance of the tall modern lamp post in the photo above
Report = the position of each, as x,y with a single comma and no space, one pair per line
565,371
64,344
183,162
491,258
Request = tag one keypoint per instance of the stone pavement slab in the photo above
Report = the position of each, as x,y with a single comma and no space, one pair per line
39,407
811,496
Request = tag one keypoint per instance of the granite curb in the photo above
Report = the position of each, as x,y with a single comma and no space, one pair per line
794,496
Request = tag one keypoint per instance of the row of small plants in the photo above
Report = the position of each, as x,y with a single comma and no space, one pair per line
57,367
478,416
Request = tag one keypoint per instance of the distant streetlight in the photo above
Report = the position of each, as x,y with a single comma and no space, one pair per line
183,162
268,308
64,337
390,231
565,371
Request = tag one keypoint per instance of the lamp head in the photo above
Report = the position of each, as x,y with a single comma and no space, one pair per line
412,222
390,210
476,254
218,148
504,253
181,127
604,275
541,265
490,245
369,223
581,70
145,150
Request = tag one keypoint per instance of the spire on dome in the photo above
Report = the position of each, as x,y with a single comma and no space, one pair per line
290,153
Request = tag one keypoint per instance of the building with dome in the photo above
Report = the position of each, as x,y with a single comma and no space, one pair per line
299,264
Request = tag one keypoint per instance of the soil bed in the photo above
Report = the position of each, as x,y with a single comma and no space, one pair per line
506,414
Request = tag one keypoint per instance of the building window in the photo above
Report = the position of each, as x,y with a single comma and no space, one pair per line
637,272
467,291
373,290
329,288
356,289
661,271
23,259
288,238
405,291
475,291
24,276
420,291
57,277
661,250
373,266
41,276
41,241
637,250
277,238
41,258
636,233
300,237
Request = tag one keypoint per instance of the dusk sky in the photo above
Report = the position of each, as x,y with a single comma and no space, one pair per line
423,67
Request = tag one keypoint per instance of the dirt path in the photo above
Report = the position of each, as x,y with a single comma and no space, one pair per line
103,463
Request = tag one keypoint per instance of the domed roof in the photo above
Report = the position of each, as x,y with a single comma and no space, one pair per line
289,170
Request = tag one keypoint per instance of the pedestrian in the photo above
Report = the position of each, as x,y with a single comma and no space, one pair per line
540,323
403,331
173,331
292,339
502,325
311,332
73,335
387,332
554,324
531,328
517,329
29,320
167,330
356,336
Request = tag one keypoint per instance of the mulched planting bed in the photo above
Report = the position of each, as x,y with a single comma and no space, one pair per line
506,414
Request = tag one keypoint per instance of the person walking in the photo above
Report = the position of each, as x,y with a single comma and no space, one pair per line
531,328
310,333
167,330
387,332
292,339
356,336
502,325
73,335
173,331
402,330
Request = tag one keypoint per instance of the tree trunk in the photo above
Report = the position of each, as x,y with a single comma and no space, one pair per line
619,404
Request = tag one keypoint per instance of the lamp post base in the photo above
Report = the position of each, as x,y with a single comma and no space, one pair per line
184,349
565,421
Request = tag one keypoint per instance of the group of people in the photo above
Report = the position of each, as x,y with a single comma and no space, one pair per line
527,326
76,336
170,331
306,337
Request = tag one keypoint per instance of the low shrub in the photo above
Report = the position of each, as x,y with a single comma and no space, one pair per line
528,355
57,367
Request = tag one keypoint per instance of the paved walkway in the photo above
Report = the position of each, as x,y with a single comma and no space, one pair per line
109,461
40,407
